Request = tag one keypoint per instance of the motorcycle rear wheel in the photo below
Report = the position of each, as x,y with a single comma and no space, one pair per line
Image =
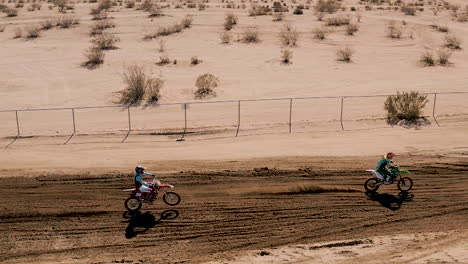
132,204
371,185
405,184
171,198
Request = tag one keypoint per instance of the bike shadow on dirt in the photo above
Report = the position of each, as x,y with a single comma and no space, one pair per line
140,223
391,201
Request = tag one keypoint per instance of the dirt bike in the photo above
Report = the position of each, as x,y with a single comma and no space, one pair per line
137,198
404,183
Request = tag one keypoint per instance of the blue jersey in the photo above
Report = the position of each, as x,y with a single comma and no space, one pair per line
138,178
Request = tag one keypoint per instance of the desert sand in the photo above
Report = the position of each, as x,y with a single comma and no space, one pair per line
63,203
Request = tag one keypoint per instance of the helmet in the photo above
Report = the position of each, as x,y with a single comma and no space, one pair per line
139,169
390,155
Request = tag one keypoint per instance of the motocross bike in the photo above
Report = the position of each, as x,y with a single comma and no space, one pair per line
137,198
404,183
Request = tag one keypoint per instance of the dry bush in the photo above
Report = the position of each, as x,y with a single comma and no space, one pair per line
163,60
320,16
320,33
225,37
298,11
205,84
18,33
99,26
329,6
452,42
130,4
229,21
427,58
155,11
136,80
3,7
351,29
94,57
257,10
443,57
405,106
105,41
358,16
61,4
440,28
339,20
162,45
250,35
66,21
153,90
47,24
408,10
286,56
2,28
344,54
32,31
278,16
394,31
187,21
288,36
11,12
146,6
195,60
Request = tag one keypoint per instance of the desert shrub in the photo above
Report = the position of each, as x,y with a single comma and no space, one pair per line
286,56
66,21
106,41
155,11
452,42
146,6
298,11
153,90
320,33
195,60
18,33
250,35
394,31
187,21
427,58
201,7
99,26
440,28
351,29
61,4
11,12
344,54
405,106
225,37
329,6
163,60
205,84
94,57
33,31
338,21
408,10
257,10
229,21
443,57
288,36
136,82
278,16
162,45
130,4
320,16
3,7
47,24
2,28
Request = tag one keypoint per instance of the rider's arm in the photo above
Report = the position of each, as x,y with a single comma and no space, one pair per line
140,180
148,174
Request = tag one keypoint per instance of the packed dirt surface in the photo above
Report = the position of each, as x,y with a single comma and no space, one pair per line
246,206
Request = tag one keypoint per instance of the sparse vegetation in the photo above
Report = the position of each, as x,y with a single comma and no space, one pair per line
329,6
47,24
288,36
298,11
229,21
139,85
444,56
286,56
440,28
408,10
405,106
257,10
153,90
94,57
195,60
250,35
163,60
320,33
2,28
339,20
427,58
344,54
394,31
225,37
11,12
18,33
452,42
278,16
32,31
66,21
105,41
206,84
187,21
351,29
99,26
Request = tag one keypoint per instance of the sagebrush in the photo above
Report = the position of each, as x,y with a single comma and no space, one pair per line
405,106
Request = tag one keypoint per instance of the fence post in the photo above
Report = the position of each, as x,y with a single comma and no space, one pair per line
74,126
238,117
185,123
129,125
433,109
17,128
290,115
341,115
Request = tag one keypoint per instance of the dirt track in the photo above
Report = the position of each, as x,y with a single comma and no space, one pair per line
79,219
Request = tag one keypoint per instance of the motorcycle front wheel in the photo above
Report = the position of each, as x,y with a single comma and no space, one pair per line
371,185
405,184
132,204
171,198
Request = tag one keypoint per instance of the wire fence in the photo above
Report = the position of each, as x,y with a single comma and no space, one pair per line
231,117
